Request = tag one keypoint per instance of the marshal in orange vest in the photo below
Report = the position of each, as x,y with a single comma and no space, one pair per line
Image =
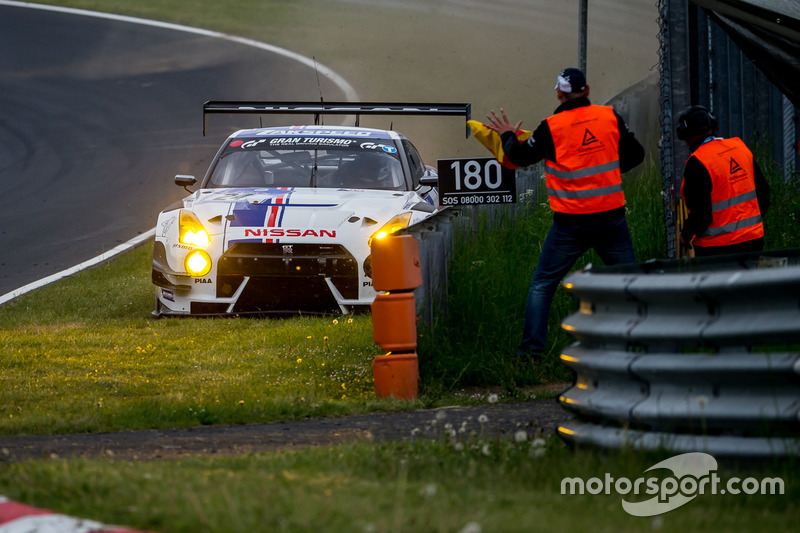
586,177
734,203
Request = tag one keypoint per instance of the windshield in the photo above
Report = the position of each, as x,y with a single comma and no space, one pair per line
354,165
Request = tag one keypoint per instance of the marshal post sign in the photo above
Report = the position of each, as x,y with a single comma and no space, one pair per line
476,181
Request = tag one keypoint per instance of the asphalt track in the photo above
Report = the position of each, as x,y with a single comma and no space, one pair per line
98,114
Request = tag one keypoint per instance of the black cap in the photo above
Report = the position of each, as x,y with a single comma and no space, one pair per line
571,80
693,121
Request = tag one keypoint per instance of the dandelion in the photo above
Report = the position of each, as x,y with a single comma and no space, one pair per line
483,419
441,415
492,398
349,320
428,490
415,432
471,527
538,442
520,436
299,360
335,321
458,446
485,450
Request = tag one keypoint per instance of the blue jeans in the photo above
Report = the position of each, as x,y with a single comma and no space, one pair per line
562,247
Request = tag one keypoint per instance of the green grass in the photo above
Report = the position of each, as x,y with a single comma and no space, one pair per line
85,355
488,284
471,484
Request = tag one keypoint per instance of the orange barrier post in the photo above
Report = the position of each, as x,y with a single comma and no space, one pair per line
394,322
395,268
396,375
395,263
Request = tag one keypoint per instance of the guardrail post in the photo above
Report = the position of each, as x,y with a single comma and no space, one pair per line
396,272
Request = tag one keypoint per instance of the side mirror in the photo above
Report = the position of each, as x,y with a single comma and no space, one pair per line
185,181
430,178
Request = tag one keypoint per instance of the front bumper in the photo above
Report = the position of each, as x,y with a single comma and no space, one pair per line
254,277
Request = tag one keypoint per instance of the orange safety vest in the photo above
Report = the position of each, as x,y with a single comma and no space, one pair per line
586,178
734,204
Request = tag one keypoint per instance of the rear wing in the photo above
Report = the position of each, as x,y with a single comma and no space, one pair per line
333,108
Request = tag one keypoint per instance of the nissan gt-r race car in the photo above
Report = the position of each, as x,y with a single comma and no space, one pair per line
284,217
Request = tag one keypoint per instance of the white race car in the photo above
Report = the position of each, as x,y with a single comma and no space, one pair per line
284,217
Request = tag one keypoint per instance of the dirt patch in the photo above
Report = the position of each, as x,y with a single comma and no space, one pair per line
495,421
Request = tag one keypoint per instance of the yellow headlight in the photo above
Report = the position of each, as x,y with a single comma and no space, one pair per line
396,223
197,263
191,231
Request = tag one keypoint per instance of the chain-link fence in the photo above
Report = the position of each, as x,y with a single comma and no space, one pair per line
700,64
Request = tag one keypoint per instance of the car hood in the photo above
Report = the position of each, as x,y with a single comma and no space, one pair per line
297,207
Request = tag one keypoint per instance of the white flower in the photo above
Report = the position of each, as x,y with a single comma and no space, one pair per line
492,398
458,446
471,527
485,450
537,452
483,419
520,436
538,442
428,490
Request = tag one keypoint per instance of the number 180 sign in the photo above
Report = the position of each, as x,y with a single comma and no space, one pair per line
476,182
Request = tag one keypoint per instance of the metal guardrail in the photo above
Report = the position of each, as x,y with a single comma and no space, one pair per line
435,238
700,355
436,233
